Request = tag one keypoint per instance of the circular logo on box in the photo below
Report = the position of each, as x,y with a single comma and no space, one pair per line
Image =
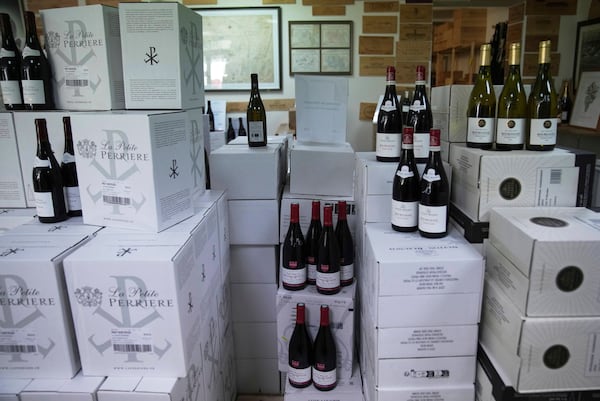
549,222
510,188
569,279
556,356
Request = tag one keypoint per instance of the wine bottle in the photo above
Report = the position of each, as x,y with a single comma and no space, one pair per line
36,76
311,245
47,179
300,352
211,117
389,122
256,116
230,132
346,245
324,371
420,117
435,193
405,190
565,102
543,105
511,123
481,112
10,67
241,129
328,262
206,169
498,53
293,272
69,172
405,107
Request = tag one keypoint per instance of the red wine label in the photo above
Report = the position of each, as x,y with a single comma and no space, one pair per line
299,376
542,131
431,175
347,272
328,281
311,270
432,219
33,91
388,144
293,277
73,198
324,379
43,204
11,93
405,172
510,131
405,214
480,130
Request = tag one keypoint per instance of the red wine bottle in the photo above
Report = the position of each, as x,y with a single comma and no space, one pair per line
241,129
328,262
10,67
405,107
346,245
47,179
389,122
311,245
324,371
435,193
420,117
405,190
293,272
36,76
69,172
300,352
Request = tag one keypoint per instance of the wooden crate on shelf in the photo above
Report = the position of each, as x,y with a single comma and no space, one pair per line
442,36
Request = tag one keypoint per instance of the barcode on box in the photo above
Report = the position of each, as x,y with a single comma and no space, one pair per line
132,348
77,82
18,349
116,200
555,176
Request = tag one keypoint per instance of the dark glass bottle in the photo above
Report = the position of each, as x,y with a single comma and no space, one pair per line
406,192
293,272
230,132
328,263
481,113
324,372
420,117
211,117
311,243
405,107
346,245
69,172
241,129
256,116
300,352
10,67
565,102
47,179
36,76
498,53
435,193
389,122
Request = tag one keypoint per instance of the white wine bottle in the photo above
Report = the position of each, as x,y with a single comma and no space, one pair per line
481,113
543,105
512,105
256,116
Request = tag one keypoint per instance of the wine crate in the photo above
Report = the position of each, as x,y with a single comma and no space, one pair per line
376,45
443,36
11,388
410,13
415,32
152,388
530,64
445,393
463,36
79,388
374,65
380,24
414,50
254,221
514,33
516,13
470,16
380,7
554,7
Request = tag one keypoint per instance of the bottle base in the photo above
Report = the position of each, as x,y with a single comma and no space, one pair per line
52,219
294,287
346,283
328,291
74,213
325,388
503,147
300,385
387,159
404,229
478,145
540,148
433,235
311,282
257,144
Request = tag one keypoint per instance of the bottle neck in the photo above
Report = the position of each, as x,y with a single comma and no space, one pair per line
316,211
43,143
514,70
68,136
300,314
295,213
6,31
324,322
328,217
342,216
31,38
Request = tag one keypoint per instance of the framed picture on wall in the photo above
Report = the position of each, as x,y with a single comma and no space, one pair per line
586,110
587,49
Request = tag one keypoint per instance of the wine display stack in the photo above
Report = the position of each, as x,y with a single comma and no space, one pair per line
540,315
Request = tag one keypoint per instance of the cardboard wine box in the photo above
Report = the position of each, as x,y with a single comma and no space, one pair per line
12,188
79,388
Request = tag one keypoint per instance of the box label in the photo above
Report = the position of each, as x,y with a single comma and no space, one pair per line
557,186
592,366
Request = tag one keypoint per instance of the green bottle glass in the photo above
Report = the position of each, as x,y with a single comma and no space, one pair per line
481,113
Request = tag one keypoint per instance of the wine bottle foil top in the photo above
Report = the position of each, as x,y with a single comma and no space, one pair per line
390,74
420,73
407,135
514,54
434,137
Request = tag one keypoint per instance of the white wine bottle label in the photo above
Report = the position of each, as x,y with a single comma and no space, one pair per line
73,198
542,131
510,131
37,162
29,52
405,172
311,272
347,272
43,204
293,277
255,129
421,144
432,219
11,93
324,379
33,91
431,175
405,214
388,145
7,53
480,130
299,376
68,158
328,281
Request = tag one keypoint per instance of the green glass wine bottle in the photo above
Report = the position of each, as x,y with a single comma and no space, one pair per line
481,112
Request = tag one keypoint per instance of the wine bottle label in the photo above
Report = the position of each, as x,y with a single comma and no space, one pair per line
29,52
542,131
421,144
76,76
480,130
431,175
417,106
564,116
432,219
405,172
510,131
405,214
37,162
293,277
328,281
299,376
68,158
405,108
311,271
255,131
324,379
33,91
7,53
11,93
43,204
347,272
73,198
388,145
388,106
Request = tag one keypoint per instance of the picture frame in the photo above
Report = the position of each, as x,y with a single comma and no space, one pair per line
238,42
320,47
587,39
586,108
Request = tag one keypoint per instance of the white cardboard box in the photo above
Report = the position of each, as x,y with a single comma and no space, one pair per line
152,388
12,192
71,226
262,299
347,389
341,315
161,45
538,353
284,151
547,259
196,150
254,264
134,168
228,366
255,340
322,169
10,388
254,376
254,222
38,340
230,165
445,393
490,179
218,198
84,50
79,388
